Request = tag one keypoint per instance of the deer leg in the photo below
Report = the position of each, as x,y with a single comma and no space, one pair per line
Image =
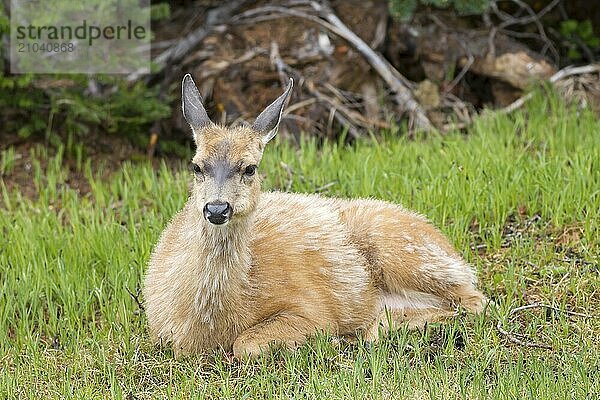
416,308
442,282
413,318
290,331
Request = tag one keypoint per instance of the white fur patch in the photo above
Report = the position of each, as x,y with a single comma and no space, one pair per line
410,299
409,248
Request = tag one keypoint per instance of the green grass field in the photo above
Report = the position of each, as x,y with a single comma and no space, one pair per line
519,196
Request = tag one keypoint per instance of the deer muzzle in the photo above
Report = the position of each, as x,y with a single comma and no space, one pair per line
218,212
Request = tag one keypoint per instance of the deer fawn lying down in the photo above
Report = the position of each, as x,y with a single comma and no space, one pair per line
241,269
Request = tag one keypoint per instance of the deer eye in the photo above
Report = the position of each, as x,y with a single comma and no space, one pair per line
195,168
250,170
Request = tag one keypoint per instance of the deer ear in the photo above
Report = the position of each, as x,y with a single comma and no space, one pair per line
191,105
267,122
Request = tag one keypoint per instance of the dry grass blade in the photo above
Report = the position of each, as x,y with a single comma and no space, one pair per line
513,337
136,298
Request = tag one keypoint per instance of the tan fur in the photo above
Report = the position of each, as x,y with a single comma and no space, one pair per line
287,265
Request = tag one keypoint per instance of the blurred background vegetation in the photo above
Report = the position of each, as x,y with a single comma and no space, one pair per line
71,109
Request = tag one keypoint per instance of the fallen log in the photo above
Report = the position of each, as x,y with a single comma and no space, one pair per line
557,77
504,59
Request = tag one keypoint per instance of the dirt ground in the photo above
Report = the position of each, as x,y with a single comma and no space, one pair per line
110,150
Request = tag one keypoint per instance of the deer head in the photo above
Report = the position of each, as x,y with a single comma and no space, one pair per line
226,184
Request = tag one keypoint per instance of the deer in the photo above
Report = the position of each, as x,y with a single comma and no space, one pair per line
242,270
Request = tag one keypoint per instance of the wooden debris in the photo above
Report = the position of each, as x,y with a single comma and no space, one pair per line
243,51
329,20
562,74
508,61
388,73
175,53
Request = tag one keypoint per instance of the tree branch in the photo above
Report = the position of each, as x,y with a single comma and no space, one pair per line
216,16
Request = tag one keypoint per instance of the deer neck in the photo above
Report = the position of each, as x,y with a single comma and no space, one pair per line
225,261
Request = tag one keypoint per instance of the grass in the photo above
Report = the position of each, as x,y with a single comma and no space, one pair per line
519,196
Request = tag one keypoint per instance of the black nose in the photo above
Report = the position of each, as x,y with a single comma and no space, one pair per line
217,212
